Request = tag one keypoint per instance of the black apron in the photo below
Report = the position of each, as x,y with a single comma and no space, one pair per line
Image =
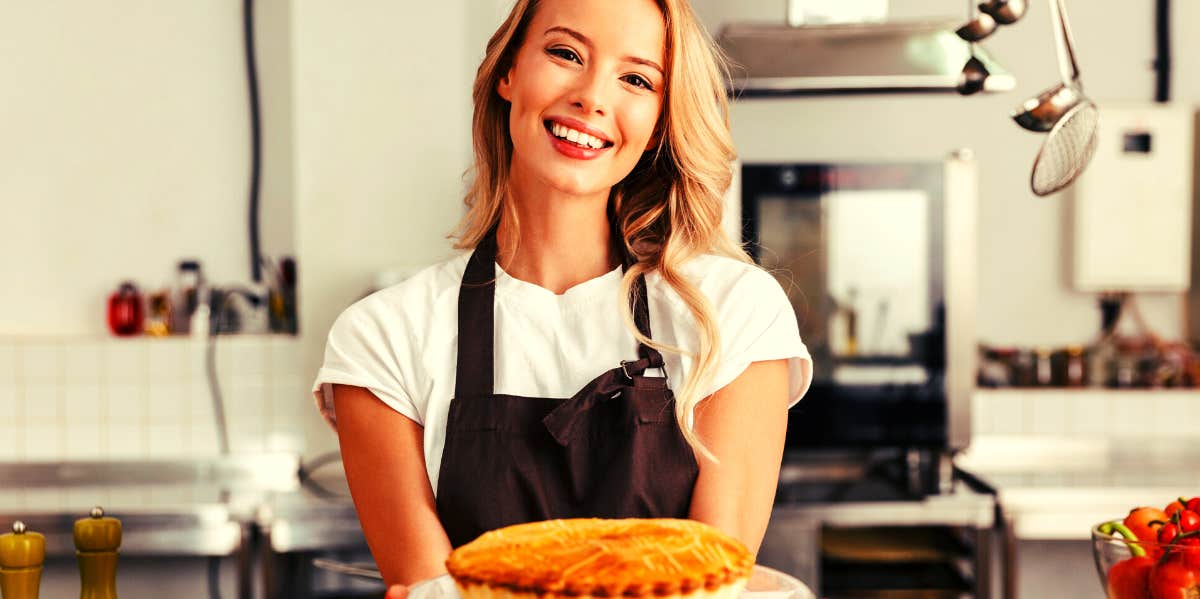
613,450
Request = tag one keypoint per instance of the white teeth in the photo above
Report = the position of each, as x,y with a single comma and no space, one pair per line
577,137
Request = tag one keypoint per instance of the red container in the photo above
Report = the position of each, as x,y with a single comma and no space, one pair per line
125,313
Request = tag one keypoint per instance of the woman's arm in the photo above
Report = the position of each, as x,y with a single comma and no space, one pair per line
384,457
744,425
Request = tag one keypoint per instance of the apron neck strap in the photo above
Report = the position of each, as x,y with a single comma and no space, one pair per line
475,373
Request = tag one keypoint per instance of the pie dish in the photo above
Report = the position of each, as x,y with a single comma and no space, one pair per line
590,557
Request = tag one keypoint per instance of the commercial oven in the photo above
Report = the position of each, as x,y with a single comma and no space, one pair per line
878,260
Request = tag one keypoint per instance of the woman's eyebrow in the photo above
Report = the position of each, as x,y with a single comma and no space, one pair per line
585,40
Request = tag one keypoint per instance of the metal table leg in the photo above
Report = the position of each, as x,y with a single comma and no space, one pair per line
983,562
1008,560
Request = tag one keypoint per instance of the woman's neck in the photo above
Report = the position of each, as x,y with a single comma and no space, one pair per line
564,240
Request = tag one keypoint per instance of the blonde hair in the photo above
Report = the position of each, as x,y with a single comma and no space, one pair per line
668,208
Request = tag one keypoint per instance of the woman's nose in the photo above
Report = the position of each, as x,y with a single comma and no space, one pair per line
590,95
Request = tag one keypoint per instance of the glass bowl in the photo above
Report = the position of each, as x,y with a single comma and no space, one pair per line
1124,575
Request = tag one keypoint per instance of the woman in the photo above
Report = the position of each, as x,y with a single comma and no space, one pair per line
604,349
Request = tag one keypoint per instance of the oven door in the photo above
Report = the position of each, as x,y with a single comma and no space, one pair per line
862,251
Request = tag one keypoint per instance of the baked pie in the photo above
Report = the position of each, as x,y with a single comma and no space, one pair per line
591,557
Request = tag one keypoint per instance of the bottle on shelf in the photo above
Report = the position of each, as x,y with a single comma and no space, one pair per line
188,294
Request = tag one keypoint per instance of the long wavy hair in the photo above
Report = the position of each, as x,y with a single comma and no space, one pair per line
667,210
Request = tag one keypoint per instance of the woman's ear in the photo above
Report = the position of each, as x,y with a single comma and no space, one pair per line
504,86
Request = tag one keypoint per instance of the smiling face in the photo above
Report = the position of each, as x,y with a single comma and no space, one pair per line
586,90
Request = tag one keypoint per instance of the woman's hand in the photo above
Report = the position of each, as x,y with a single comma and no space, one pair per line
397,591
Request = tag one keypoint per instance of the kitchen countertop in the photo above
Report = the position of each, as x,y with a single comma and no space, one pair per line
1049,489
166,507
1056,488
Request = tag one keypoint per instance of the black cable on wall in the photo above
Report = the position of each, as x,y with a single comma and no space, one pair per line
1162,50
255,141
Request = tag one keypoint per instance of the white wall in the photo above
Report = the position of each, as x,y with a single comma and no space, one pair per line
126,147
382,137
1024,294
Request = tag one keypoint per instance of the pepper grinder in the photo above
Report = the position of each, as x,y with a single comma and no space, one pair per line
97,539
21,556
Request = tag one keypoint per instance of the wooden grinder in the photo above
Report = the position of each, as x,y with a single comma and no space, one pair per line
21,556
97,539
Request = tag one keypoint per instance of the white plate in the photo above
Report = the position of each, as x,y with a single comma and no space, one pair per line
765,583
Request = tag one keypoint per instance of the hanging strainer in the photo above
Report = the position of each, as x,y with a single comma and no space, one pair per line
1067,149
1070,117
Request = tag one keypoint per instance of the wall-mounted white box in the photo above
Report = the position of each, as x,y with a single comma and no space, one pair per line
1133,203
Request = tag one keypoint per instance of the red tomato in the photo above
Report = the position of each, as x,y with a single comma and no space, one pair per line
1189,550
1130,579
1139,520
1188,521
1167,533
1194,504
1172,579
1173,507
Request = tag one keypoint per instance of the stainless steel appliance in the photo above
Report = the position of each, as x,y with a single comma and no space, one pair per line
896,57
878,259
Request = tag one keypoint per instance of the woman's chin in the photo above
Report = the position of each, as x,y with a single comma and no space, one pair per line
582,187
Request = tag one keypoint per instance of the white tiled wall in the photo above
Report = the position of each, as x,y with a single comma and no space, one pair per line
1086,412
146,397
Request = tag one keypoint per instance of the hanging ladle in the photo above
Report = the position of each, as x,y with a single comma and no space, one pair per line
977,28
991,15
1071,119
1005,12
974,72
1040,113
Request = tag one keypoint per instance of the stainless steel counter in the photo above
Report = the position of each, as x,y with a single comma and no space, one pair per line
196,508
307,520
167,507
180,530
1054,488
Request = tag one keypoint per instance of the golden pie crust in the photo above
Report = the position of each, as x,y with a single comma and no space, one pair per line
593,557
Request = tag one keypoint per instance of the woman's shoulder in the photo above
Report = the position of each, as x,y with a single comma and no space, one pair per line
724,280
716,274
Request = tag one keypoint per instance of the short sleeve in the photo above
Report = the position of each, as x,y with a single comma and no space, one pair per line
368,348
758,323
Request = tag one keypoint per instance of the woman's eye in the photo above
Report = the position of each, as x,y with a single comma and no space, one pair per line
638,81
565,54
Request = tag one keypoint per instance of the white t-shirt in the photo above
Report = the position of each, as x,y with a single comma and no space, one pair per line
401,342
